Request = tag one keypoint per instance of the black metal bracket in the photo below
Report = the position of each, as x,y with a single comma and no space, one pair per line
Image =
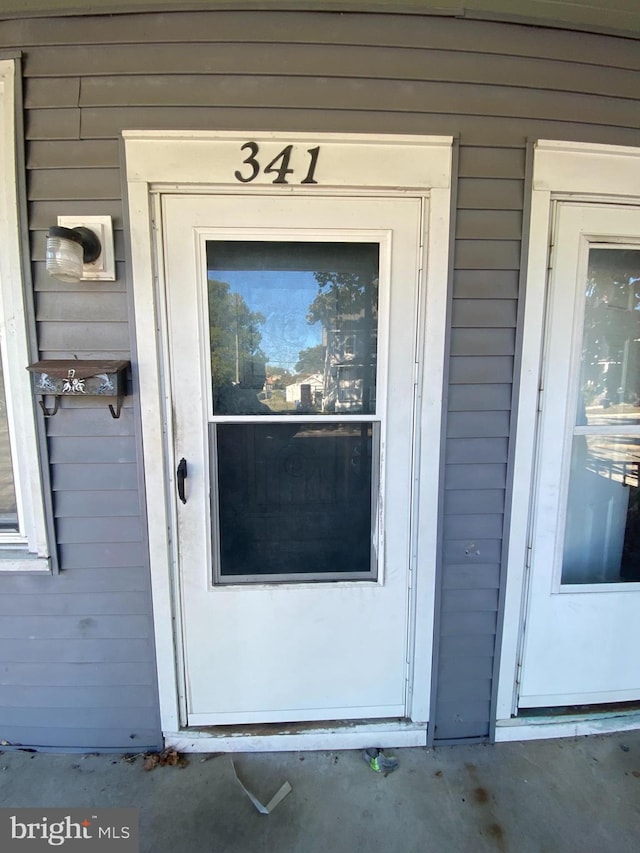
118,409
49,413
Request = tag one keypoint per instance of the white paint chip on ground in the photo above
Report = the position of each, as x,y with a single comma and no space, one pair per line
277,798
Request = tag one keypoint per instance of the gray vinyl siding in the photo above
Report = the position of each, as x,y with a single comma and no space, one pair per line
78,668
76,649
494,86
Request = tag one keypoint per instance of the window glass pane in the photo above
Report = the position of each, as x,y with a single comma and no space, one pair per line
8,510
294,498
602,534
293,327
609,374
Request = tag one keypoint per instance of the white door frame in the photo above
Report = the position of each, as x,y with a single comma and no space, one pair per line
213,162
562,171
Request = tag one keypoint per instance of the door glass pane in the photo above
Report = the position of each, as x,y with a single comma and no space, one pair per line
602,533
8,509
609,374
293,327
295,499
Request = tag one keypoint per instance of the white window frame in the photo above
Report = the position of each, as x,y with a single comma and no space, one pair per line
562,171
25,550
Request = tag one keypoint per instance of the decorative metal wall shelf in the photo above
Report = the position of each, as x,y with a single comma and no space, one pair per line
79,378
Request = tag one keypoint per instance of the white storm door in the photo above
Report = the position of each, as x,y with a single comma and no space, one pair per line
582,628
292,327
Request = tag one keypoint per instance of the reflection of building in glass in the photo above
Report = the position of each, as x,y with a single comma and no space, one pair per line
350,371
306,392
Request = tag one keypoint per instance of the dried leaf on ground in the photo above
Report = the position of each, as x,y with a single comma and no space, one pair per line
168,757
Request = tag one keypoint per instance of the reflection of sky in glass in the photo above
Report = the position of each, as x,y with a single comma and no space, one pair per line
283,298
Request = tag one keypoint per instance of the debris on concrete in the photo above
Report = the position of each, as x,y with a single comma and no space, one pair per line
210,755
379,762
277,798
168,757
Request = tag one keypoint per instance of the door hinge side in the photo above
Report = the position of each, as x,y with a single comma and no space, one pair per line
527,561
518,674
551,255
523,628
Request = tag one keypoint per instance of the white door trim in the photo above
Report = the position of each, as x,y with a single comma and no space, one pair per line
561,171
541,728
207,161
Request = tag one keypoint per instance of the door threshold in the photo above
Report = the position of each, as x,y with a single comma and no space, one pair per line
291,737
542,727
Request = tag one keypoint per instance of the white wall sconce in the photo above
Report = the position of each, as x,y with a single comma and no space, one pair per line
81,249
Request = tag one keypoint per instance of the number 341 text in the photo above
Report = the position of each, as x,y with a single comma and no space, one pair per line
279,165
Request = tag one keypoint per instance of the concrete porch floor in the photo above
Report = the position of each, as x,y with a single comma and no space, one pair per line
578,795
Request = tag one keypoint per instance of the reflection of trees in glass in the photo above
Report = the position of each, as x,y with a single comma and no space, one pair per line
611,328
342,296
346,306
311,360
236,357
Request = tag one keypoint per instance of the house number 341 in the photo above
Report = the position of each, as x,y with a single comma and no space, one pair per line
279,166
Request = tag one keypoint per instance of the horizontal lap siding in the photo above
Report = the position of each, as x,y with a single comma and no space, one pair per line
428,33
494,86
78,665
482,350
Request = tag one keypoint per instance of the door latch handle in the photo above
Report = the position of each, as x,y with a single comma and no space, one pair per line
182,476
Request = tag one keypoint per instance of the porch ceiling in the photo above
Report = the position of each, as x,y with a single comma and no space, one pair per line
621,17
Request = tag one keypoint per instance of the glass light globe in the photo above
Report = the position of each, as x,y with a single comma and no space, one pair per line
64,256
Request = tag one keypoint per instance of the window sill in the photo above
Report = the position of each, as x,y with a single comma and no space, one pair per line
18,560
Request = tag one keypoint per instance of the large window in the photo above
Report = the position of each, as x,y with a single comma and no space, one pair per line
23,541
